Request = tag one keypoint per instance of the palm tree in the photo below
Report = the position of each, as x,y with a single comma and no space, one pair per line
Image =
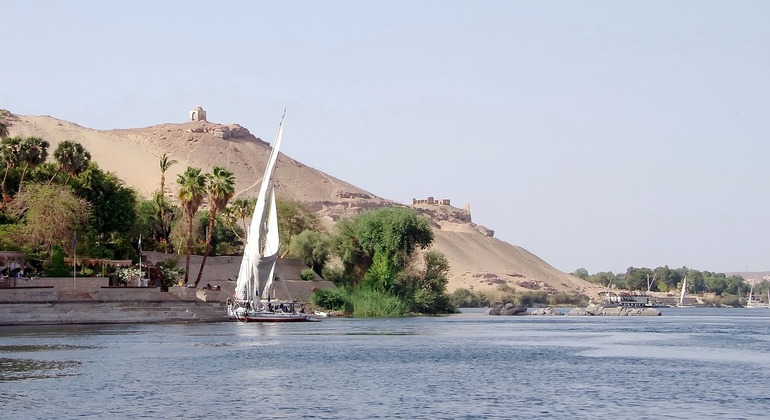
34,151
73,159
192,190
10,154
165,163
220,186
238,211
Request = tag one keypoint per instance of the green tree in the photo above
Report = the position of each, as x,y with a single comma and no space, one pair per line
236,215
293,219
49,214
191,192
581,273
72,158
428,290
165,163
394,233
313,248
113,205
220,186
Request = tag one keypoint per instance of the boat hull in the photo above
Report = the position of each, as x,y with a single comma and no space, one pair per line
274,318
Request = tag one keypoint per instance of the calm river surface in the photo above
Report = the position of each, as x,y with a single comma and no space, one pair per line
689,363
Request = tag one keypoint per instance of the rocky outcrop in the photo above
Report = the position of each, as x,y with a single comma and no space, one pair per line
506,309
546,311
597,310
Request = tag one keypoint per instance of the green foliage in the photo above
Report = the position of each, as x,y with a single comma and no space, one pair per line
464,298
391,235
191,192
425,290
49,213
169,272
665,279
331,299
72,157
375,303
236,214
113,205
307,274
57,268
313,248
294,219
532,298
126,274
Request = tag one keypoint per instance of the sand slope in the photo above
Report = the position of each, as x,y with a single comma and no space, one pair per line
478,260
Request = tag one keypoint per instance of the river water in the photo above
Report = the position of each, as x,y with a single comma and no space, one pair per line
689,363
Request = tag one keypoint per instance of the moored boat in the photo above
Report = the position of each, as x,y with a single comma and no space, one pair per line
253,298
631,300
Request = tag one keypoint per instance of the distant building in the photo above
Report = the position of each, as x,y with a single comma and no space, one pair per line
198,114
432,201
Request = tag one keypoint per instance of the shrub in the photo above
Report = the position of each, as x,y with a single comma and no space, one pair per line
329,299
307,274
57,267
464,298
529,299
375,303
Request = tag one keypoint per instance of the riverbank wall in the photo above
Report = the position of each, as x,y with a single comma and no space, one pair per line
50,301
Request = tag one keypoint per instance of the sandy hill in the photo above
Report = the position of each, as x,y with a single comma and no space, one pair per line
478,260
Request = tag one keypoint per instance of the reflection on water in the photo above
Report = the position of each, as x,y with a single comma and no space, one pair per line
18,369
685,364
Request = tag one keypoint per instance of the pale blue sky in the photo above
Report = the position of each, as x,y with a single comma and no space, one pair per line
595,134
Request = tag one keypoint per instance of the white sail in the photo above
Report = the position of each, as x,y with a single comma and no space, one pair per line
262,244
684,288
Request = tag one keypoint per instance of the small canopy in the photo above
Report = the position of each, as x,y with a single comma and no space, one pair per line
100,261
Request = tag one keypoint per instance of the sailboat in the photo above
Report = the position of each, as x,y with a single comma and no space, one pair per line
681,303
751,303
253,300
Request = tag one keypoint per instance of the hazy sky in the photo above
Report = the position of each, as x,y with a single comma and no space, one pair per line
595,134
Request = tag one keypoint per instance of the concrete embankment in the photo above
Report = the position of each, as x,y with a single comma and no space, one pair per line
91,301
90,312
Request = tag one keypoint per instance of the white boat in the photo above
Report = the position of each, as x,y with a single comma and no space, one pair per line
253,300
751,303
630,300
681,303
324,314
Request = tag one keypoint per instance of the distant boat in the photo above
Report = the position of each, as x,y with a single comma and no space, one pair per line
751,303
253,301
681,303
631,300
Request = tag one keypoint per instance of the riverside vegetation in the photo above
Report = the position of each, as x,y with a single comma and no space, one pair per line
379,259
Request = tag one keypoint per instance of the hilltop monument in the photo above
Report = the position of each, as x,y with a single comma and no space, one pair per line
198,114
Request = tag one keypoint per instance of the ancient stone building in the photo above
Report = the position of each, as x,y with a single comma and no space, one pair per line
198,114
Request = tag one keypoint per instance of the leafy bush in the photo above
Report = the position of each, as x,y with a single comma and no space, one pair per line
307,274
57,267
529,299
125,274
329,299
464,298
169,272
375,303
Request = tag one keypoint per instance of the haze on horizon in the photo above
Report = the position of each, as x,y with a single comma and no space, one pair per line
598,134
